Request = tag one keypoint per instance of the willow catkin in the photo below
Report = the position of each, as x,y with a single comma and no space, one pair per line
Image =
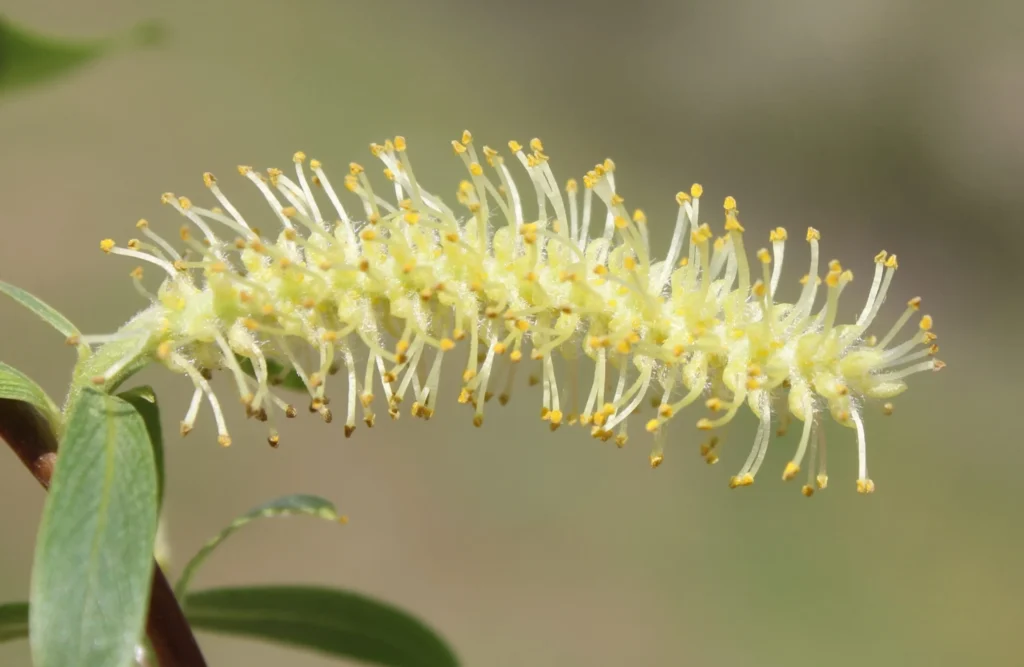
388,290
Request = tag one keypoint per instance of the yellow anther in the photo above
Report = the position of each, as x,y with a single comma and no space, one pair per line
887,409
608,165
791,471
821,480
639,217
476,169
704,424
730,203
696,190
807,490
813,234
764,256
315,164
571,185
880,257
891,263
106,245
354,168
682,197
616,199
865,486
620,222
351,183
653,425
167,198
714,404
536,145
523,325
926,323
299,157
732,224
368,234
400,143
411,217
656,460
515,146
914,303
244,170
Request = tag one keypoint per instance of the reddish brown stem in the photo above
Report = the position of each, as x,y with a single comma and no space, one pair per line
29,436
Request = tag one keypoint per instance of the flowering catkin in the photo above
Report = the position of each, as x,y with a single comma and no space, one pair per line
385,294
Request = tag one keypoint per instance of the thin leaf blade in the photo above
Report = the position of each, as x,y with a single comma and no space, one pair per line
94,553
17,386
338,623
13,621
291,505
47,312
28,58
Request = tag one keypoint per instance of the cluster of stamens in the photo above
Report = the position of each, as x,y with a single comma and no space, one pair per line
383,295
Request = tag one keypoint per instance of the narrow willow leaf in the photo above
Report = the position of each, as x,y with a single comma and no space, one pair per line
338,623
27,58
43,310
17,386
294,505
143,399
94,553
13,621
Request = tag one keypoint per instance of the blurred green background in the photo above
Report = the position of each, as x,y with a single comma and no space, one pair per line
885,124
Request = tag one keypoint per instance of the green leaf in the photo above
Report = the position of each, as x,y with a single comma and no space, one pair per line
143,399
338,623
294,505
94,553
27,58
17,386
13,621
278,375
43,310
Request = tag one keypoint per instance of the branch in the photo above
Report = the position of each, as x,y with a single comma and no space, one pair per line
169,632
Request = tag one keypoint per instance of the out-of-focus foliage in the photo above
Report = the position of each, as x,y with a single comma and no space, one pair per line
28,58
